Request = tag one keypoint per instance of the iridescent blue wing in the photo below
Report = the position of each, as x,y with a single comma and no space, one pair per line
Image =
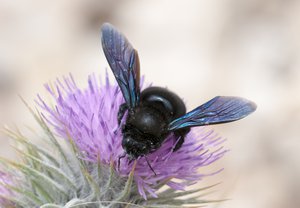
124,62
220,109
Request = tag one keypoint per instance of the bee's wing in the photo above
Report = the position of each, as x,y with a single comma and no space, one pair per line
220,109
124,62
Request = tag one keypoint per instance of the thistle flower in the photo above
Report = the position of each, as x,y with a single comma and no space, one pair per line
85,173
89,118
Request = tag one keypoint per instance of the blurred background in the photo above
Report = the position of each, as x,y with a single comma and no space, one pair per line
199,49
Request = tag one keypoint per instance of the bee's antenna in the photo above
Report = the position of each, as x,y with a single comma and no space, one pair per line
119,160
149,165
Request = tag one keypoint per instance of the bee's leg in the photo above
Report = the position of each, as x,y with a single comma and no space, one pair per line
123,108
149,165
119,159
180,135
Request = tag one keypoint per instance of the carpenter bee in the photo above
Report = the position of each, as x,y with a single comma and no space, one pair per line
156,112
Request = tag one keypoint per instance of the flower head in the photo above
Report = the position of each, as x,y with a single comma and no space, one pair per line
5,192
89,117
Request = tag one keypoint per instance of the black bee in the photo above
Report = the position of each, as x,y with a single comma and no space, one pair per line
156,112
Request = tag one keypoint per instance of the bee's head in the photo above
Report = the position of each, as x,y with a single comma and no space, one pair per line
134,148
136,143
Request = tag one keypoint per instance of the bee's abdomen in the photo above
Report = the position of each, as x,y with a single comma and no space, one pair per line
169,101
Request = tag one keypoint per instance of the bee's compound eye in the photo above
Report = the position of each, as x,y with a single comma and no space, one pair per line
126,142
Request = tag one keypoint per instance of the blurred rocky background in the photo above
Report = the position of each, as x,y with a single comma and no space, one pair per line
199,49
